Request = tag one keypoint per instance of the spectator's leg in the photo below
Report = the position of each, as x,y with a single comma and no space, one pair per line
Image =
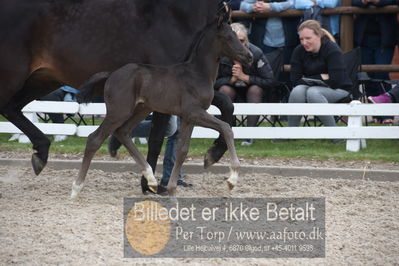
368,58
325,95
297,95
221,101
383,57
142,130
229,91
219,147
254,95
170,158
287,53
172,126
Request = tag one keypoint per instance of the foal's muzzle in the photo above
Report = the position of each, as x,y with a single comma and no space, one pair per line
248,59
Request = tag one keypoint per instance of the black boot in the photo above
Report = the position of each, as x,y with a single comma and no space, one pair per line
113,146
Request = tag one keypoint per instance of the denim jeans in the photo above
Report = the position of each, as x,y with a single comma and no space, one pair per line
142,130
170,156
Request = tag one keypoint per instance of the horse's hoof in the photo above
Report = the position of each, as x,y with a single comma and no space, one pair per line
230,185
152,189
233,179
76,190
37,164
208,161
213,155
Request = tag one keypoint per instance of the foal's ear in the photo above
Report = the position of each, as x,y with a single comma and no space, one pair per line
224,14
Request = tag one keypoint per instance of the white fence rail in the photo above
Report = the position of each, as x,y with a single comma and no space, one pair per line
354,132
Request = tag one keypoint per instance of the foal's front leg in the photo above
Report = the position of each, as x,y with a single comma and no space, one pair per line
181,152
202,118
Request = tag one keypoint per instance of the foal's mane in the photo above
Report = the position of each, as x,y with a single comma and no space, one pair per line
222,15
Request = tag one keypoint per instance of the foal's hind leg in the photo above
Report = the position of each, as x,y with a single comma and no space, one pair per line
202,118
93,143
181,152
123,135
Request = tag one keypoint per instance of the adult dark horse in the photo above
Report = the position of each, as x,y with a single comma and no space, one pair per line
47,43
186,90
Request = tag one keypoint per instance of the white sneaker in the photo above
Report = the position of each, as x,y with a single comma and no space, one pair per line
14,137
247,142
23,139
142,141
58,138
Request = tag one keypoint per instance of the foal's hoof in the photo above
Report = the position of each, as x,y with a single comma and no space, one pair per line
152,189
230,185
233,180
213,155
37,164
76,190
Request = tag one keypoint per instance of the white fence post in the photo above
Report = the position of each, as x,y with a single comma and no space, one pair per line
355,121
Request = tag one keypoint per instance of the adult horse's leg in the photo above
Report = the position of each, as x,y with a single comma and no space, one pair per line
39,83
202,118
40,142
219,147
181,152
157,135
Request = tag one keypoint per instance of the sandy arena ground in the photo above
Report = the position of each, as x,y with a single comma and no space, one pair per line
40,225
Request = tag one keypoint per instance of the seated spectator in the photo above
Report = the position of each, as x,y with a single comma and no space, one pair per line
313,10
375,35
317,57
246,83
392,96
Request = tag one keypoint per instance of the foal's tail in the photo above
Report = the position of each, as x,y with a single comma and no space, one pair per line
86,90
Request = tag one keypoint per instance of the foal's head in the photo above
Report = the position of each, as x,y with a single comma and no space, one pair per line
229,44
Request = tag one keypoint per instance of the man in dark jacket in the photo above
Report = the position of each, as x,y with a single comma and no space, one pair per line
245,84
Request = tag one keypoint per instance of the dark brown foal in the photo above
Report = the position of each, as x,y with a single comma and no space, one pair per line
184,89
